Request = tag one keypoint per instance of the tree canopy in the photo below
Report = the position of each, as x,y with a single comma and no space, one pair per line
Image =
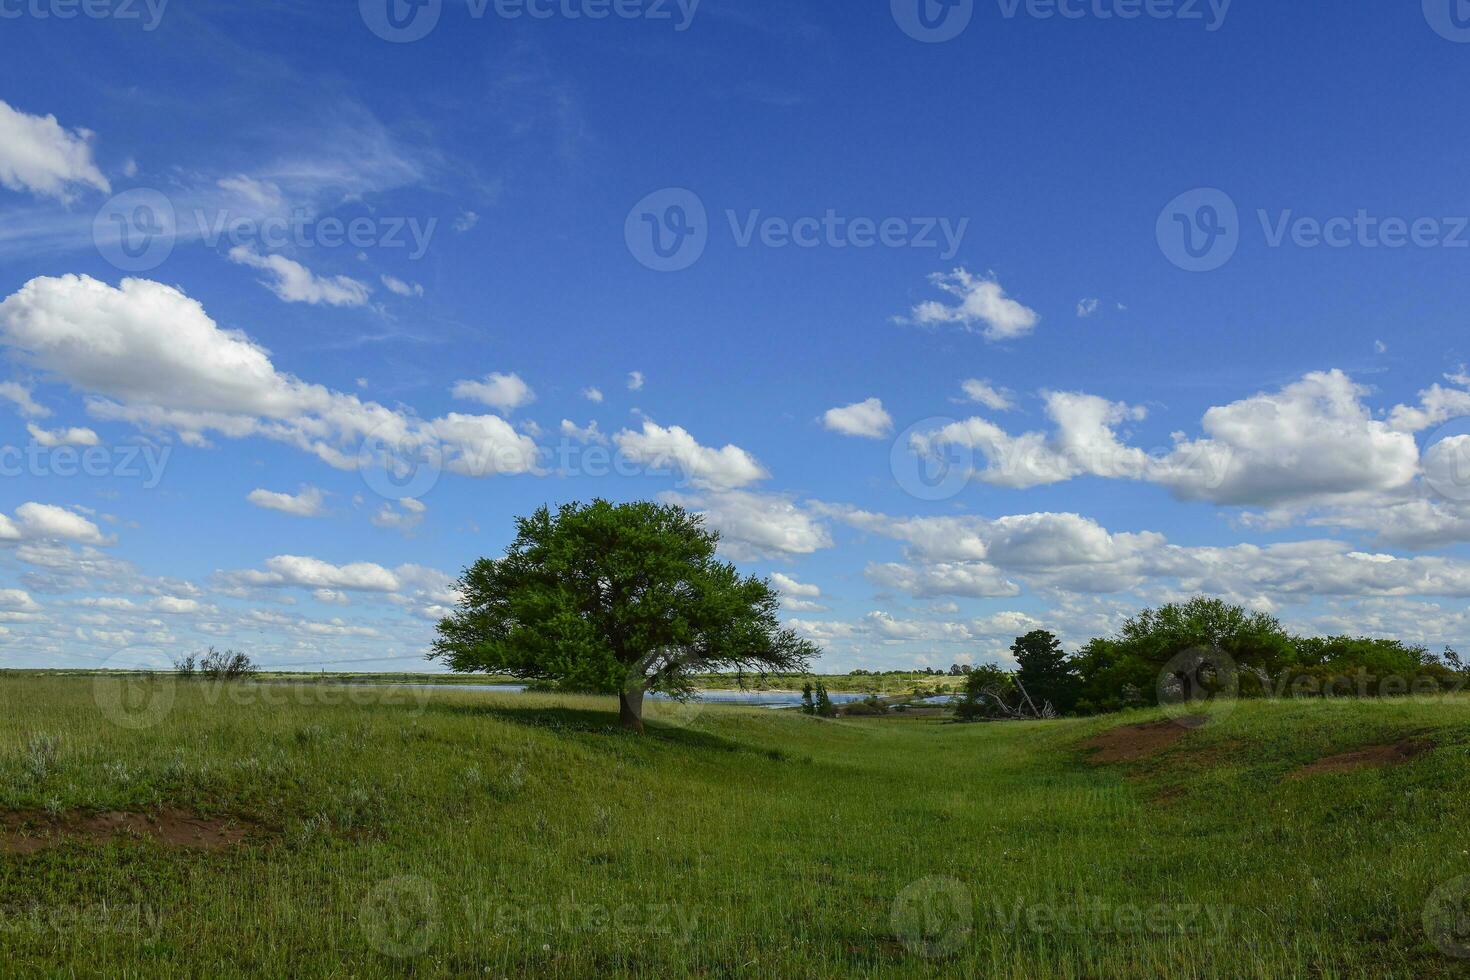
618,599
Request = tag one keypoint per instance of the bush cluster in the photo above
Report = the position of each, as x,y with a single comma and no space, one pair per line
1124,671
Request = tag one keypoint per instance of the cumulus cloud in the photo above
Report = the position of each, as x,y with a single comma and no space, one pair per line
675,449
982,306
758,525
34,521
147,354
973,579
1086,307
306,503
587,435
295,283
285,571
635,380
39,155
866,419
1313,439
503,392
1085,442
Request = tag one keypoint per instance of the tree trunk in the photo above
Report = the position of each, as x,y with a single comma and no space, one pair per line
630,708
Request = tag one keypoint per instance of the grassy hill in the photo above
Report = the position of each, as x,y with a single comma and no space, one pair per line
294,830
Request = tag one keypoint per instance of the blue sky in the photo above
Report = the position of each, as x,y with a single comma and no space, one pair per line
437,254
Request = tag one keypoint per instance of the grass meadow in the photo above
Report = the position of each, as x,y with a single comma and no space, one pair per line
384,831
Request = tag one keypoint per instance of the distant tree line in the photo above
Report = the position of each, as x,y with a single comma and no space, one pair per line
1264,659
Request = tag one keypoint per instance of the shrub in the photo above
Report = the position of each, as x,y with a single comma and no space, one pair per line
226,665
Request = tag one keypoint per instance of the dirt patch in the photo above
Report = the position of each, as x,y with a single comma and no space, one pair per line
1374,757
1134,742
26,832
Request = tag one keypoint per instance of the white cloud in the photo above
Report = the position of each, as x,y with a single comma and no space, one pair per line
1312,439
409,516
791,586
1087,307
635,380
295,283
993,398
758,525
50,438
502,392
174,606
1085,443
18,600
24,403
47,521
593,395
973,579
981,301
285,571
146,353
466,221
675,449
39,155
866,419
307,503
400,287
590,434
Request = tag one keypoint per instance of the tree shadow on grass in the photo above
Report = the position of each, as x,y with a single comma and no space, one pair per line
589,722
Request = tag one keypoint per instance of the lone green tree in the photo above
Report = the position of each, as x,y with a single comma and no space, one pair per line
1043,671
620,599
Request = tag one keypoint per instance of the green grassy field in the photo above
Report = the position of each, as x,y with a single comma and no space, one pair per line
457,833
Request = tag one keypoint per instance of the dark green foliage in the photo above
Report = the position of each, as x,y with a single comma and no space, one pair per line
1044,674
808,706
824,706
990,693
219,665
616,598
